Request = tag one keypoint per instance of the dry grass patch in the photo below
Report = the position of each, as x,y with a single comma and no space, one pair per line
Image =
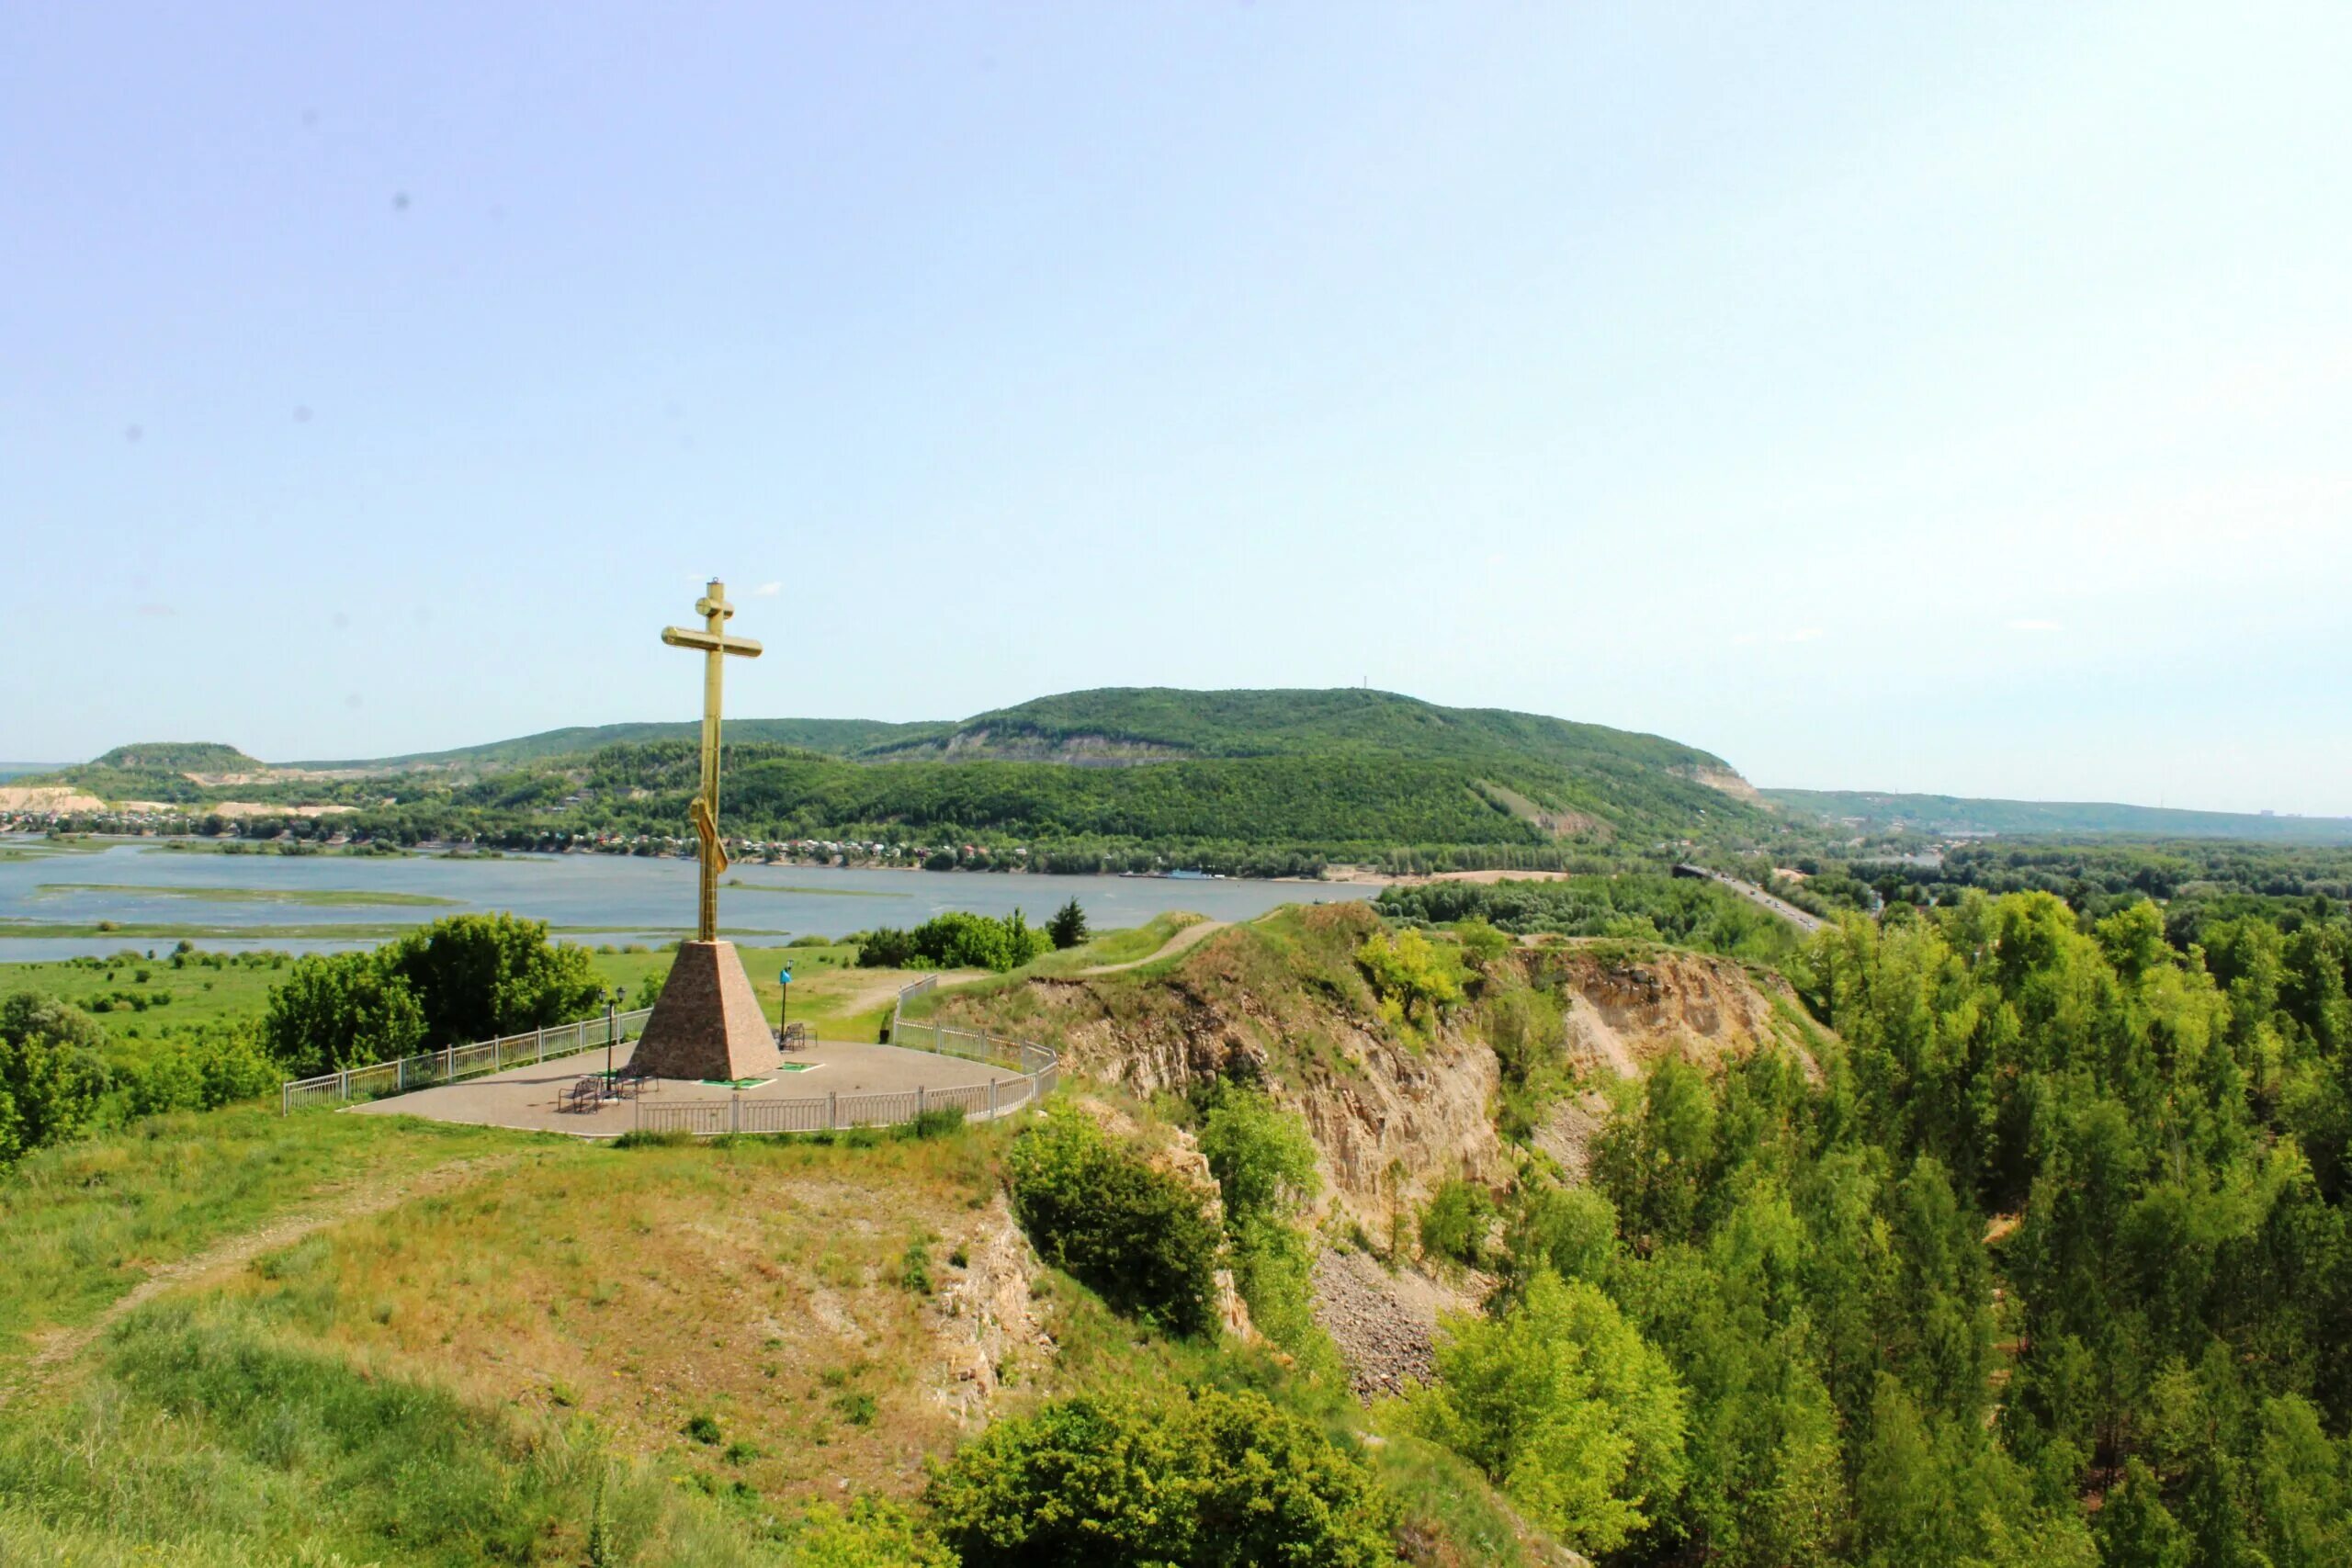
782,1316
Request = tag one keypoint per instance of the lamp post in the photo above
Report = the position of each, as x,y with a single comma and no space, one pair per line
612,999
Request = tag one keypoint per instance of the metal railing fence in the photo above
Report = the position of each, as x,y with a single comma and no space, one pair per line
454,1061
1038,1070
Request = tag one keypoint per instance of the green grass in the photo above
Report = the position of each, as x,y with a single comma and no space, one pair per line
1123,946
198,993
492,1372
224,1442
81,1223
198,930
842,1001
350,897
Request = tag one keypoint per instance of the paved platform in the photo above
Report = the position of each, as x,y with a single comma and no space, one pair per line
525,1097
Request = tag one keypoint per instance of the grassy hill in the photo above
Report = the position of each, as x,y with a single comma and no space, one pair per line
1337,774
832,737
1241,780
181,757
234,1337
1935,813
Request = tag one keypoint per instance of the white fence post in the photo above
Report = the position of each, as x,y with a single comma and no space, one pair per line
343,1083
543,1042
832,1112
992,1097
735,1114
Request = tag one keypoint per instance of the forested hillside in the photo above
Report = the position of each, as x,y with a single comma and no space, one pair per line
1943,814
832,737
1230,780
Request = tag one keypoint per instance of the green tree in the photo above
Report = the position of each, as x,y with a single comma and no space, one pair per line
1216,1480
479,977
2135,1529
1562,1404
1068,927
51,1075
1413,979
1097,1208
1260,1153
1264,1165
337,1010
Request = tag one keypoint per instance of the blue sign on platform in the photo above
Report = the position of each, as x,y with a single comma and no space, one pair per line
784,977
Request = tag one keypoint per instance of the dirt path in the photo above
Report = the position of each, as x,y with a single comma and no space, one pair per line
1190,936
235,1252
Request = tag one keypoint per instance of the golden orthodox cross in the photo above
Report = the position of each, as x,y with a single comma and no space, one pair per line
714,641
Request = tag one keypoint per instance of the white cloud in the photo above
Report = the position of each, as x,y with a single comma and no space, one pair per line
767,589
2030,625
1803,634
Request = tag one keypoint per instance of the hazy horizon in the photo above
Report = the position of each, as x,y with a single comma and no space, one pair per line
1910,402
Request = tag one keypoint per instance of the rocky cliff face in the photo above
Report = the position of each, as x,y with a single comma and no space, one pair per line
1394,1116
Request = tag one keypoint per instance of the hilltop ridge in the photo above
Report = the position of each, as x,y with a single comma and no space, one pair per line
1123,778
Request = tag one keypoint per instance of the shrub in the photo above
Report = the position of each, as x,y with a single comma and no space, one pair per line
1219,1479
1264,1165
1570,1230
703,1427
1565,1406
914,1267
1455,1224
1413,978
343,1010
1097,1208
217,1066
868,1534
51,1077
938,1122
955,941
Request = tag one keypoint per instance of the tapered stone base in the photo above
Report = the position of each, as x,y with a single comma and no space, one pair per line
708,1022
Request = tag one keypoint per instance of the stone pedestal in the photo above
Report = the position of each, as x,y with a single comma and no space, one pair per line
707,1023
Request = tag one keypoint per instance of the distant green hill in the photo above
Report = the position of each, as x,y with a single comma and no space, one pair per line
832,737
1315,776
180,757
1944,814
1224,779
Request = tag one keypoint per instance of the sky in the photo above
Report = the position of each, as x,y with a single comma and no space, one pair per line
1923,398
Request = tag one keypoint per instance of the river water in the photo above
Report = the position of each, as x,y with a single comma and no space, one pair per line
629,899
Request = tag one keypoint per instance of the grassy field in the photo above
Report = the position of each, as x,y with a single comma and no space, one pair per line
335,896
176,998
82,1223
516,1341
829,991
671,1347
237,1338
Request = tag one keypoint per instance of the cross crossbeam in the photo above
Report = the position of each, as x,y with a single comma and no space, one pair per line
715,645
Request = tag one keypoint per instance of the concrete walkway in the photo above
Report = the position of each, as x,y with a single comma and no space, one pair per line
525,1097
